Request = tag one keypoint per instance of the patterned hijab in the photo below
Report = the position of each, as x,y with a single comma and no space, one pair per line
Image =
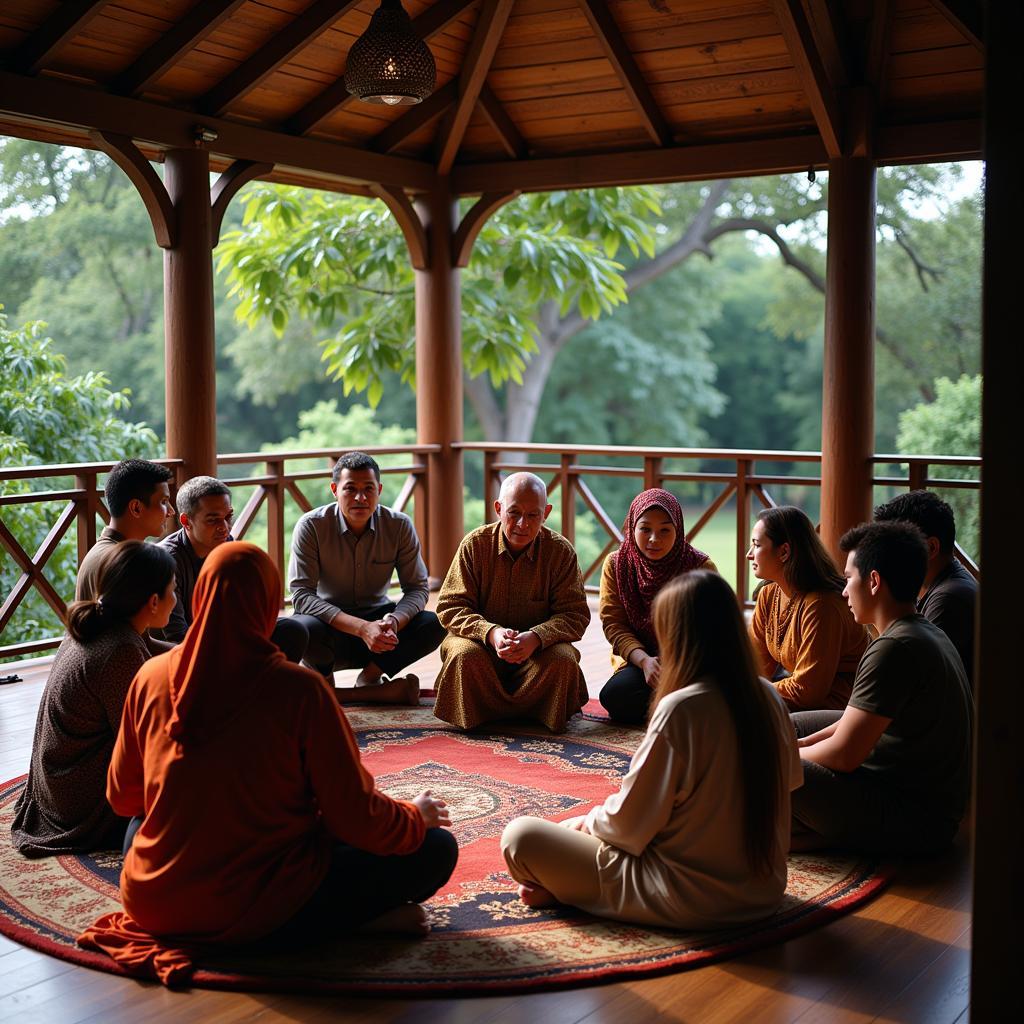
638,577
227,649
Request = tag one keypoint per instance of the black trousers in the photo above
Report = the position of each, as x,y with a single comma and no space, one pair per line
328,649
626,696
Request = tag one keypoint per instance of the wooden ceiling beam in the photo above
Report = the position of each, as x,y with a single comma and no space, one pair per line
69,19
433,107
625,67
200,21
60,102
279,49
475,65
508,133
336,97
830,31
226,187
878,49
821,92
968,18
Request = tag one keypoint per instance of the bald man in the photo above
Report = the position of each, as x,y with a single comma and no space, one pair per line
513,604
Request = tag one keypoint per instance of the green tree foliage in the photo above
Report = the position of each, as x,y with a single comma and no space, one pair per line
49,417
950,425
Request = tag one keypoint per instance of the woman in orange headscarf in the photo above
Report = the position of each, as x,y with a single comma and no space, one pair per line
257,814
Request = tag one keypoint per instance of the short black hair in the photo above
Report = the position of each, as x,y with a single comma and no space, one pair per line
895,550
353,461
132,479
927,511
193,491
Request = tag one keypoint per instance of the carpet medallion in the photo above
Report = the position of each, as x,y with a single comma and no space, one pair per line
483,938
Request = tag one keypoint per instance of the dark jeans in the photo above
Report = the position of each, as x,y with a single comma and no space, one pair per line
857,810
129,833
329,648
292,636
360,886
626,696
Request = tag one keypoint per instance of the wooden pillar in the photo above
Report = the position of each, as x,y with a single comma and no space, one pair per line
189,351
847,416
998,829
439,377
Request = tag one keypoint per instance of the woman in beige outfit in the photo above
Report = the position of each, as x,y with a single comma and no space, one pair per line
698,834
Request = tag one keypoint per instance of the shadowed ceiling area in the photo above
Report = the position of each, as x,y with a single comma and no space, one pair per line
531,94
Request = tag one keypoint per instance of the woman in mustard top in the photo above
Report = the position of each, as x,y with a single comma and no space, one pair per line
801,623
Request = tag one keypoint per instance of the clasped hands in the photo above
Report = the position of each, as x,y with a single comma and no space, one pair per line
512,646
379,636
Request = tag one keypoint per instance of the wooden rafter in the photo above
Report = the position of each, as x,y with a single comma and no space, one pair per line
46,99
968,18
336,97
474,220
626,69
475,65
511,139
434,106
67,20
200,21
821,92
829,30
878,47
278,49
152,190
409,221
226,187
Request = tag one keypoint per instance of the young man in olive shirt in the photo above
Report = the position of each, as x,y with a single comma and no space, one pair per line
892,772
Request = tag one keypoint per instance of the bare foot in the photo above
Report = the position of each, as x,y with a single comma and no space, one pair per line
536,896
407,689
408,919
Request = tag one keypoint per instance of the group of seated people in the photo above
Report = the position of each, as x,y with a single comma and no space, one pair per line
188,722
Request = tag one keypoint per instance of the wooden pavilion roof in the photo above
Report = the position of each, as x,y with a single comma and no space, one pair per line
531,94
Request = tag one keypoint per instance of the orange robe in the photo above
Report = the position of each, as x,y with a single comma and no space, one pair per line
242,804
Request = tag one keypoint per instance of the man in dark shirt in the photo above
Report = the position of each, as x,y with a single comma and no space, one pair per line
949,592
891,772
205,513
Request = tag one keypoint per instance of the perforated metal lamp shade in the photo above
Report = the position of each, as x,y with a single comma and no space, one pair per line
389,63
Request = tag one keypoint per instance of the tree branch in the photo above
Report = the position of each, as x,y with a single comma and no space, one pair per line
922,269
485,406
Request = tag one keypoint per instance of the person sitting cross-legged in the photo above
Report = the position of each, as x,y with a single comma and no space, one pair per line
343,557
513,604
697,835
63,807
205,514
949,592
891,773
256,819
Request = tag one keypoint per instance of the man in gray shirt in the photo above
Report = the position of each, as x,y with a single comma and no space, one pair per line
343,557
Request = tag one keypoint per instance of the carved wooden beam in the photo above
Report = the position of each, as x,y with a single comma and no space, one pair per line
127,156
821,93
226,187
511,139
69,18
278,49
627,71
409,221
968,18
475,218
336,97
475,65
200,21
433,107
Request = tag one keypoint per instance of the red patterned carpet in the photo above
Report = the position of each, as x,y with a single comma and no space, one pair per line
483,939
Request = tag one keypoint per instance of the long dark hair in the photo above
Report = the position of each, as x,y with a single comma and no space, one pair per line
702,636
809,567
129,575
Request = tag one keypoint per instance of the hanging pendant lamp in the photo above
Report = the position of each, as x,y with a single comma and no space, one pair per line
389,63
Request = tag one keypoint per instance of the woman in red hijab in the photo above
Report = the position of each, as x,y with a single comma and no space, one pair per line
257,814
654,550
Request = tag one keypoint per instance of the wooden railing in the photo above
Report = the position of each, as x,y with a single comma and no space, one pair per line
740,482
724,475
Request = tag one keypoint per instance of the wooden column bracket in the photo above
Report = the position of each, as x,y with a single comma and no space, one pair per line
409,221
129,158
226,187
476,217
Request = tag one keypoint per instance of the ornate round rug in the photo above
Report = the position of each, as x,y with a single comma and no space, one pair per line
483,938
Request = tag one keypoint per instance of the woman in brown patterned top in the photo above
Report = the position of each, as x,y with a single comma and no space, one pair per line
63,807
801,623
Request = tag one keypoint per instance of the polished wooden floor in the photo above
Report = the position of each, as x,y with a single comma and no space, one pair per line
903,958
